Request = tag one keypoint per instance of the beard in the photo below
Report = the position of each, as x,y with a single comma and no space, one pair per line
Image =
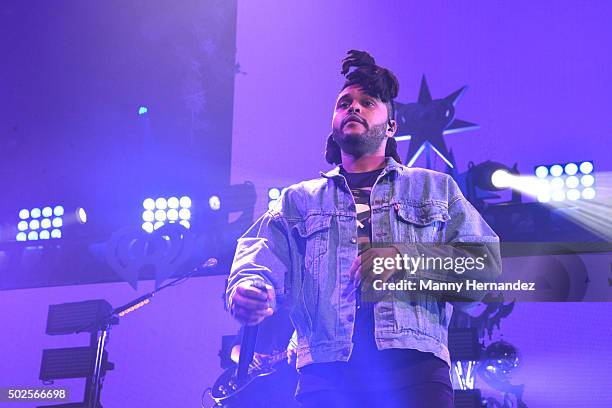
359,144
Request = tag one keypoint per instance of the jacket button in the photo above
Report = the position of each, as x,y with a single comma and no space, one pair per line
353,240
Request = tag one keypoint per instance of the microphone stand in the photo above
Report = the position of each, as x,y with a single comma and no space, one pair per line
103,325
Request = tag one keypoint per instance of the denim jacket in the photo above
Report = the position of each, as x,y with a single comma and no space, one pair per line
304,248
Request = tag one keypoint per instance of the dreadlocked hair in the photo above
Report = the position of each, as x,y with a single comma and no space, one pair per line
378,82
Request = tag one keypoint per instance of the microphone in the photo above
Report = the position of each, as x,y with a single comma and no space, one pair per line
247,345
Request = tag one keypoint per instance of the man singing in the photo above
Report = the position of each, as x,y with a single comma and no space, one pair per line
315,250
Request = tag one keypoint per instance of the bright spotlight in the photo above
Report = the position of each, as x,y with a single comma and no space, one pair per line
56,233
274,193
214,202
501,178
81,215
148,204
572,182
556,170
37,224
160,215
47,212
161,203
161,210
587,180
541,171
588,193
558,195
586,167
573,194
184,214
142,110
571,169
185,202
172,215
173,202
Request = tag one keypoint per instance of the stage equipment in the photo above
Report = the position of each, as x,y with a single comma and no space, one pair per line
568,181
163,210
274,194
95,317
426,122
43,223
482,180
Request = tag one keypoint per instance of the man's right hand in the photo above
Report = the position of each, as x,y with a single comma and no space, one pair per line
251,305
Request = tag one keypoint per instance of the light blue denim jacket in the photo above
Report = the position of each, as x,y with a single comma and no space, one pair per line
304,248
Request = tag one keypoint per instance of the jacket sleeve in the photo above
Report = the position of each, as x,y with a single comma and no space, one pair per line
263,253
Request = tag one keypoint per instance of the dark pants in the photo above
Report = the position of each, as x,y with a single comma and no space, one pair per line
423,395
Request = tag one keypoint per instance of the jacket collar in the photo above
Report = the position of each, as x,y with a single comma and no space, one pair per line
391,165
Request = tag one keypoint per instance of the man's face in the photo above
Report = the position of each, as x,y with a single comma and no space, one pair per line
359,124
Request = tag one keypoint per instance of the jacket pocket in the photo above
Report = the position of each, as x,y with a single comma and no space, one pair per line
420,222
315,232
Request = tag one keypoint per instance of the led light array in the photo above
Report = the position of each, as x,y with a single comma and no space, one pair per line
161,210
274,194
36,223
570,181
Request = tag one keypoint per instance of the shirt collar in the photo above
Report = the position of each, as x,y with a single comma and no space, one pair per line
391,165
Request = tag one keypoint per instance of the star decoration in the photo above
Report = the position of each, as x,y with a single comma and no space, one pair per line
425,123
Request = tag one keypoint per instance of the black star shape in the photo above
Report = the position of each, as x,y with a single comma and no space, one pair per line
427,121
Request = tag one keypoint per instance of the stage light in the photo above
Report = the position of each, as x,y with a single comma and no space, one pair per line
586,167
571,169
148,204
161,210
47,212
160,215
544,197
142,110
572,182
501,178
573,194
556,170
147,226
565,178
185,223
81,215
588,193
587,180
558,195
214,202
161,203
274,193
56,233
173,202
172,215
541,171
42,221
557,183
185,202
